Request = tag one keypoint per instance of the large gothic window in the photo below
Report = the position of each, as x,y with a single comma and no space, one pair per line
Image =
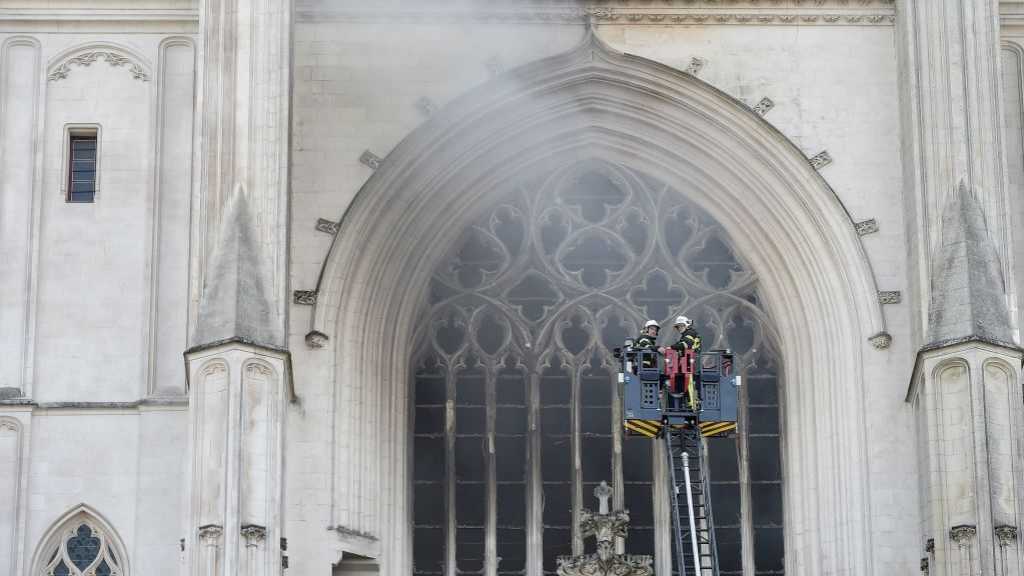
517,414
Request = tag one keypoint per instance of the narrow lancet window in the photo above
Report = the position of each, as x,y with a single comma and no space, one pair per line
82,163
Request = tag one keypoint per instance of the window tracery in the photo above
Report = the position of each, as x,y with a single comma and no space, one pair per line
516,413
82,549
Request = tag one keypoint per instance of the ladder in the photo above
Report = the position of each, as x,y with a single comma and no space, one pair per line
692,525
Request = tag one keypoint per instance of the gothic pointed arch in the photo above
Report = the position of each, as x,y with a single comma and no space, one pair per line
81,542
594,103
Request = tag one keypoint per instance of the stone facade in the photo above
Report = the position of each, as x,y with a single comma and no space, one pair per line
208,368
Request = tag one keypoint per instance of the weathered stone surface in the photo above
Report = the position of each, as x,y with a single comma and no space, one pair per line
234,303
968,290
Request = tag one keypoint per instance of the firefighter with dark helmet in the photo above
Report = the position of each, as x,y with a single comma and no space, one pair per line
649,337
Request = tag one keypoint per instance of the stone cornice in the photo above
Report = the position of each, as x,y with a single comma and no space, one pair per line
635,12
167,20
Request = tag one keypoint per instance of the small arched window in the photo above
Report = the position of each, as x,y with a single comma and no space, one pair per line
81,545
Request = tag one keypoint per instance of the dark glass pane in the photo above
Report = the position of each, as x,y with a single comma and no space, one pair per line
428,455
596,386
638,500
557,542
763,420
79,143
470,420
557,504
762,390
596,460
767,504
430,389
656,296
594,259
428,549
61,569
470,504
764,458
478,257
82,197
768,549
77,187
555,421
511,387
80,165
428,504
86,154
555,458
512,505
471,387
596,420
430,420
511,550
636,460
555,388
103,569
641,541
510,420
722,459
730,549
510,457
469,549
83,547
725,501
87,176
470,458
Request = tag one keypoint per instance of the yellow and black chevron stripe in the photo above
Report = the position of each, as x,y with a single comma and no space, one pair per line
652,428
648,428
716,428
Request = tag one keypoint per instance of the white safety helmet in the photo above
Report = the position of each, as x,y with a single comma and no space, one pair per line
650,323
683,321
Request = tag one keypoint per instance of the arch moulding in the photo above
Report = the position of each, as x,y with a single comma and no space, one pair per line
594,102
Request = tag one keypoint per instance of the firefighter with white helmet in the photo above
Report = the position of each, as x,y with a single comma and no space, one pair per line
688,337
649,337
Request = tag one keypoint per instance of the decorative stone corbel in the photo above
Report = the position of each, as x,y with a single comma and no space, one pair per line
890,297
865,227
253,534
1005,535
327,226
370,160
881,341
962,534
210,534
820,160
307,297
696,65
316,339
763,106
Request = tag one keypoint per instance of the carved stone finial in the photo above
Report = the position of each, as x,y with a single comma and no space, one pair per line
603,493
1006,534
962,534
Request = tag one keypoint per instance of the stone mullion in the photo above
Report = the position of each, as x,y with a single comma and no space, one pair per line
534,489
618,480
449,470
746,504
577,458
491,537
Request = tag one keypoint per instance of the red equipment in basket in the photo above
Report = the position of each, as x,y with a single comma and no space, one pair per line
680,367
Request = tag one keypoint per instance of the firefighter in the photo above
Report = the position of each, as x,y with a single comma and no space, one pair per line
649,337
688,337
